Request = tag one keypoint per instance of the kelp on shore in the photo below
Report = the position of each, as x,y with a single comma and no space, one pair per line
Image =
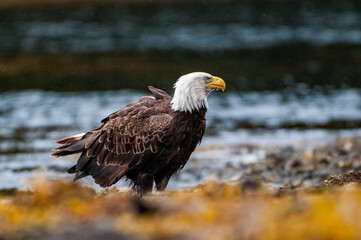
59,210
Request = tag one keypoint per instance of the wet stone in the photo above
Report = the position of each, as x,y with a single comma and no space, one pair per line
340,180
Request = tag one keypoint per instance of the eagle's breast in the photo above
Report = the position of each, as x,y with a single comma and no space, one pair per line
189,129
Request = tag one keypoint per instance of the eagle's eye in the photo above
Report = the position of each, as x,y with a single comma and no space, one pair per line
207,79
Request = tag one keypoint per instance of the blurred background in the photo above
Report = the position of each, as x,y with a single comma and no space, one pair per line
292,68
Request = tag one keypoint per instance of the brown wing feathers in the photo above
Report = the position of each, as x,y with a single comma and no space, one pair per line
71,145
123,140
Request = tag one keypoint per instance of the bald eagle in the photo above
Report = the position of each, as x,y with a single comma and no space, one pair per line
148,140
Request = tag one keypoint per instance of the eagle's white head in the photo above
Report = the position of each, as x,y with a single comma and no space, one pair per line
192,90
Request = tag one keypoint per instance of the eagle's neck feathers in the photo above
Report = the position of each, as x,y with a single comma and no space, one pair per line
189,95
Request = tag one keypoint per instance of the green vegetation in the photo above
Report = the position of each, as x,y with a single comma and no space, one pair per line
265,69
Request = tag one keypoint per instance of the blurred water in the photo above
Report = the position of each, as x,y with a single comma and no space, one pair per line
192,27
31,120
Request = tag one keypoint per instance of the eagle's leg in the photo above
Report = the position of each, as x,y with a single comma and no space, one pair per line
143,184
161,184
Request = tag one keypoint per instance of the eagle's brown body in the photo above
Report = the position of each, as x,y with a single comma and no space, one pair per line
146,142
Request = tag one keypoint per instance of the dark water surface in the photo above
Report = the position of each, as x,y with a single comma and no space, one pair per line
196,27
292,71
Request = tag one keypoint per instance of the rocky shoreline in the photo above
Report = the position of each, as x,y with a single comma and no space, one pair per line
301,167
285,191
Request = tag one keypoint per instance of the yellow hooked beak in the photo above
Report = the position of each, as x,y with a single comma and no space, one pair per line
217,84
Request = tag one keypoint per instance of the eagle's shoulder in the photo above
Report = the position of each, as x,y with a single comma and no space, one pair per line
158,93
145,106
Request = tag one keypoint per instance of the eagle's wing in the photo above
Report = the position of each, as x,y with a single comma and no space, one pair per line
124,139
